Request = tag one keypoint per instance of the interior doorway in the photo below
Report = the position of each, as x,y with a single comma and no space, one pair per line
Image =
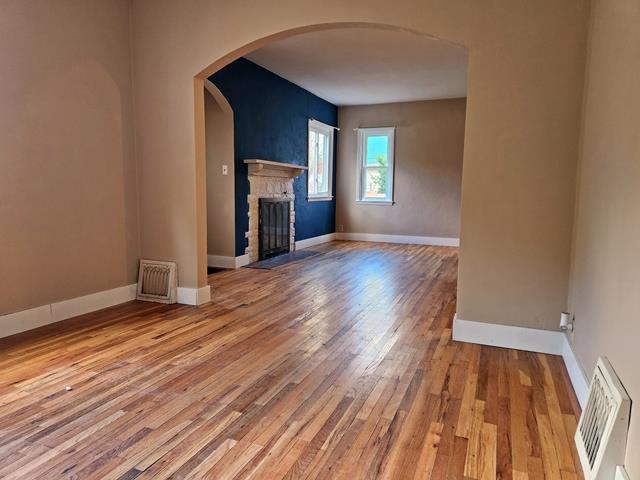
422,186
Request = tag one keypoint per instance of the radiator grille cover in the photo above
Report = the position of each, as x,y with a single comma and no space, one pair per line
596,417
157,281
601,435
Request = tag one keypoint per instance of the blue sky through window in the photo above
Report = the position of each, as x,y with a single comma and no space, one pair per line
376,145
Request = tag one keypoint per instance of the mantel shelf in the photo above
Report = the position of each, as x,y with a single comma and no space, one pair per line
269,168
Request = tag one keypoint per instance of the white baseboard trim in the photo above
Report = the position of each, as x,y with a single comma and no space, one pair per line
54,312
576,373
507,336
194,296
220,261
242,260
310,242
529,339
410,239
24,320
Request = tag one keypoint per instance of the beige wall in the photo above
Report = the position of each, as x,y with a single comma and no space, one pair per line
220,197
526,68
428,168
68,205
605,287
68,208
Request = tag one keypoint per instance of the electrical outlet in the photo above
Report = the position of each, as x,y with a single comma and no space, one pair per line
341,228
225,170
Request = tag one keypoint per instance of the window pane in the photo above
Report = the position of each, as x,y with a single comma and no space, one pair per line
320,153
377,147
376,179
323,164
313,160
320,172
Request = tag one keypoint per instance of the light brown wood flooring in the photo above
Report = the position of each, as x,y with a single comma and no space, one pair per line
339,366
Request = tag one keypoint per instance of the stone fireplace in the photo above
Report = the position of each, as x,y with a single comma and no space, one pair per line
273,180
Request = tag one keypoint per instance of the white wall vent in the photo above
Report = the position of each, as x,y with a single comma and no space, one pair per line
601,436
158,281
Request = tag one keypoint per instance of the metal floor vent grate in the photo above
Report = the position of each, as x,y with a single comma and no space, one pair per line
158,281
601,436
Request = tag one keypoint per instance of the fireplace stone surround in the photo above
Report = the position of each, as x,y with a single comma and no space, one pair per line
269,179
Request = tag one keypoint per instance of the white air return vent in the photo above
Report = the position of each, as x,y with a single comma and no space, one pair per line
158,281
601,436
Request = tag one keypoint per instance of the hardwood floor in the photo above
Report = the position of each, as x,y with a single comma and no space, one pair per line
340,366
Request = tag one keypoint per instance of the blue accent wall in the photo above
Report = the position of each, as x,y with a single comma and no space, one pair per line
271,117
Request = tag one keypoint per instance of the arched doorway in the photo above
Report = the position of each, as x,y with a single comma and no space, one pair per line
200,80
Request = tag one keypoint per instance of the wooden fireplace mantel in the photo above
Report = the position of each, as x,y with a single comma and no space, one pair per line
269,168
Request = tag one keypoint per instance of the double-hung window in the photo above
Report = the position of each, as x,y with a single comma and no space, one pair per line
375,165
320,174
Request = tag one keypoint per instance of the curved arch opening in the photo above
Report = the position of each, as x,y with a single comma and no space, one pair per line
266,40
202,83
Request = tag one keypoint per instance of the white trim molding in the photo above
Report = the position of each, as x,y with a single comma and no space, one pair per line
621,473
242,260
310,242
194,296
508,336
25,320
220,261
54,312
576,373
529,339
383,203
409,239
320,199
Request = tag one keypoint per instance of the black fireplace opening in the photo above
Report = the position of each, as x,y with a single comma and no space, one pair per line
273,227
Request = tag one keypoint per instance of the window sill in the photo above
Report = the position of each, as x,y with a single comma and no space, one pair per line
375,202
320,199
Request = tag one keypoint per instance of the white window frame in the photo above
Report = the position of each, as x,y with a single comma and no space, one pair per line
327,130
363,134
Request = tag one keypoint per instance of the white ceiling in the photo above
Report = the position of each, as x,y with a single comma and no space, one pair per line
360,66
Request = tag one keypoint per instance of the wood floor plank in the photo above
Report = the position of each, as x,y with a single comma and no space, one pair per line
340,366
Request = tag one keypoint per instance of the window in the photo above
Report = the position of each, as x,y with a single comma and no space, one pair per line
375,165
320,161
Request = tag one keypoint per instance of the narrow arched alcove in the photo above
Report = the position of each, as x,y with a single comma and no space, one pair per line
219,152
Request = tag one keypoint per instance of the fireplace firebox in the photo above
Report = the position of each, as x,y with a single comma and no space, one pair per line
274,221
